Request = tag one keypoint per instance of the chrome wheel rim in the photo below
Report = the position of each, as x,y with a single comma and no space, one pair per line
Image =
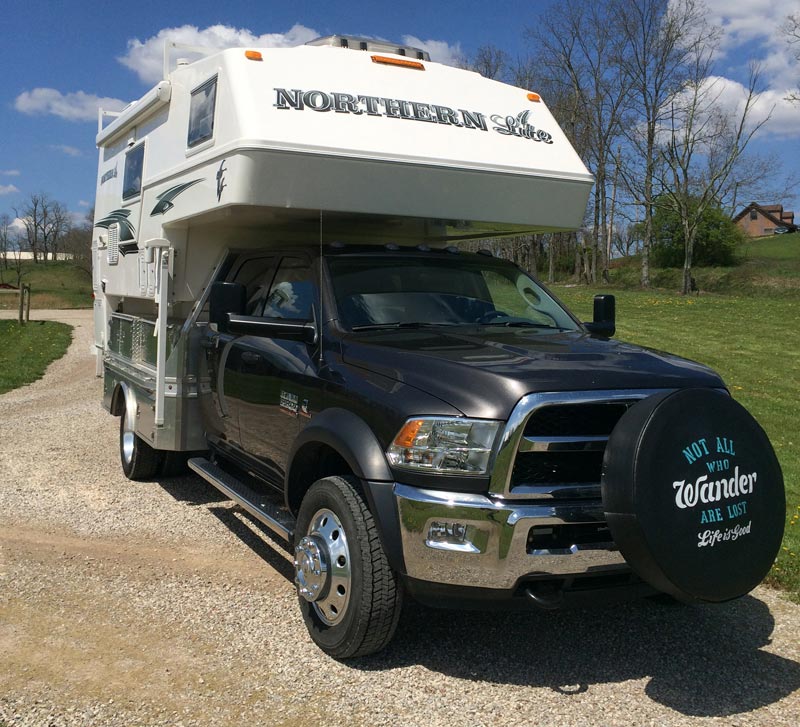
127,437
323,574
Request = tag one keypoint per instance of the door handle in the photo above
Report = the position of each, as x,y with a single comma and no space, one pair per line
251,357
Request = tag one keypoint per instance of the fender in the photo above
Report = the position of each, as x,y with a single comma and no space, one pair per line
352,438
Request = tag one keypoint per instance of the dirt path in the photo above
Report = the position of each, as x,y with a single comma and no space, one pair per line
159,603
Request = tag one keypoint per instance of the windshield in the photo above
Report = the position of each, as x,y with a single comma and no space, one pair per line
382,291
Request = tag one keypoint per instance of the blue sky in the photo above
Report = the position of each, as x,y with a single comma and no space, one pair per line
58,59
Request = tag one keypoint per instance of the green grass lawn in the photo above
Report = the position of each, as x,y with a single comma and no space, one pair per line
26,351
55,284
754,343
769,266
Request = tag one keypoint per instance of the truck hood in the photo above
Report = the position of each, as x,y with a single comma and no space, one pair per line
483,372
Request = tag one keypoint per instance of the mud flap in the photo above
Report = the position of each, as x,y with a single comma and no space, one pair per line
693,494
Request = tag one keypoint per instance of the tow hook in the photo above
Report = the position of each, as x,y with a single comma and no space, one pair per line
547,597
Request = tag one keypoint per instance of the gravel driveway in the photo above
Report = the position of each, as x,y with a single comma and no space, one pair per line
160,603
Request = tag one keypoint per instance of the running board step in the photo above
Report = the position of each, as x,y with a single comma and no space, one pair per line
277,519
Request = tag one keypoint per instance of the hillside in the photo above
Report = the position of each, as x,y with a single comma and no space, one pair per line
770,266
56,284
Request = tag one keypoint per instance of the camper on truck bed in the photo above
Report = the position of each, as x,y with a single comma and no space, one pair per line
282,304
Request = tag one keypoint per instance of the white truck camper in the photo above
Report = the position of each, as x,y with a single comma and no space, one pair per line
282,304
245,148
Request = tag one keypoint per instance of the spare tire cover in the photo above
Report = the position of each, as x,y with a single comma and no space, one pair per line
693,494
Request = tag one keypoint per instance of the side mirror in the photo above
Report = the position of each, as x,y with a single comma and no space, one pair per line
226,298
605,314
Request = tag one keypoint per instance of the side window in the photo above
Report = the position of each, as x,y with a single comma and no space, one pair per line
201,113
256,275
753,215
134,164
519,298
293,291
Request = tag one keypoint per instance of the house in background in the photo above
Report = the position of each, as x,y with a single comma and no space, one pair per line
764,219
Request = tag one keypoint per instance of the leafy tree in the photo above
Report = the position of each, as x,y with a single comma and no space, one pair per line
715,239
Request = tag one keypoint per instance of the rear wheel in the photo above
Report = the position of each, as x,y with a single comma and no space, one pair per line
139,460
173,464
349,596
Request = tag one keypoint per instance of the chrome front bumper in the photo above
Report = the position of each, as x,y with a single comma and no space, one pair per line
473,540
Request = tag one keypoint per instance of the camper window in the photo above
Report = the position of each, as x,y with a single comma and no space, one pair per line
134,163
201,112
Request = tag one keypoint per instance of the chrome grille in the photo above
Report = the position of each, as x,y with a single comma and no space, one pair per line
554,443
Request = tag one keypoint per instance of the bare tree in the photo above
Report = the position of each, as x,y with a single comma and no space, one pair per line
46,222
491,62
791,30
660,37
78,243
578,52
6,240
702,143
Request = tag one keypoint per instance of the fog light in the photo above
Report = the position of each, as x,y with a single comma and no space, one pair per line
451,536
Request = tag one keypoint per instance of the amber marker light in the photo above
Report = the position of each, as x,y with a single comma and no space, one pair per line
408,433
534,97
253,55
398,62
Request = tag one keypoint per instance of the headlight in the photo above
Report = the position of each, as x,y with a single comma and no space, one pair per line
444,445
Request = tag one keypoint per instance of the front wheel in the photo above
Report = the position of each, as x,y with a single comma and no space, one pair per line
349,596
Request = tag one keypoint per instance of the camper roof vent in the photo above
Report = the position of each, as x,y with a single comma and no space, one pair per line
370,44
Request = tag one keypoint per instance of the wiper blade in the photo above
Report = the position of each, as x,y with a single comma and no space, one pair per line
524,324
399,324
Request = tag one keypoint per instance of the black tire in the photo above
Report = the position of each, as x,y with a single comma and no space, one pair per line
368,622
139,460
173,464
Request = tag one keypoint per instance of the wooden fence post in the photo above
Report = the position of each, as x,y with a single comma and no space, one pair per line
24,303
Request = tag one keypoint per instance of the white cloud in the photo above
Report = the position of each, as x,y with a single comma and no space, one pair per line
784,122
146,58
742,21
441,51
730,96
751,31
9,172
7,189
83,203
78,106
70,151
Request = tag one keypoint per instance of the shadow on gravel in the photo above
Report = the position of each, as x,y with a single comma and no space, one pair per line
703,661
190,489
260,539
257,537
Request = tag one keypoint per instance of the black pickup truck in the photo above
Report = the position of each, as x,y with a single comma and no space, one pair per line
434,423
